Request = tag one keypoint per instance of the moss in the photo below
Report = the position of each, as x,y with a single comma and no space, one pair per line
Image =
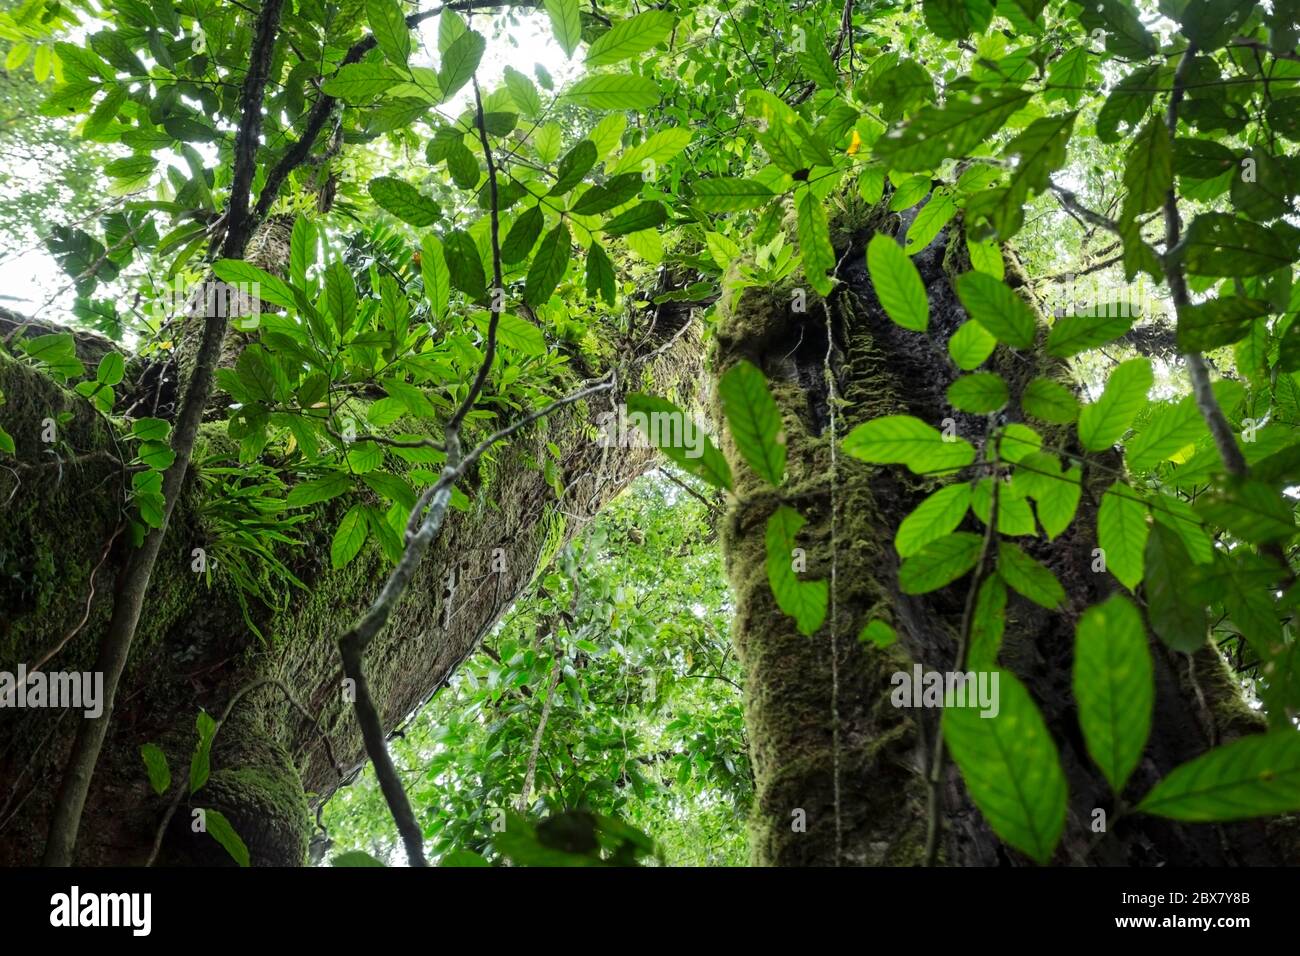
804,693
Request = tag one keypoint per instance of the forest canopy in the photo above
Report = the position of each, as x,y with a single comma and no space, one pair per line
614,433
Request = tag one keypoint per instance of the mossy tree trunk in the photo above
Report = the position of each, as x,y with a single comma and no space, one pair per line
193,648
840,772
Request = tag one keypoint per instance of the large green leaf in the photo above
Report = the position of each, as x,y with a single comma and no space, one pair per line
566,22
548,266
614,91
629,37
935,517
1011,768
951,130
980,393
939,563
815,242
1104,422
897,284
1250,777
221,830
460,61
1028,577
755,421
1122,531
1114,687
348,537
404,201
1177,617
669,429
995,306
389,27
805,601
904,440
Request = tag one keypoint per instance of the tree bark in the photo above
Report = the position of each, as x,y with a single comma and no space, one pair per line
840,772
193,649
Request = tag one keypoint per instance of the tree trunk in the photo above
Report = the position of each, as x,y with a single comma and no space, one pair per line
194,650
840,772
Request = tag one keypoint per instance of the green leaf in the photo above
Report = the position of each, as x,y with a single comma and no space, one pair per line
111,369
404,201
1073,334
1209,325
151,429
939,563
879,633
1250,777
576,163
727,194
629,37
1250,509
1122,531
805,601
1057,492
1177,618
548,266
200,760
980,393
318,490
755,421
1050,401
815,242
934,215
220,829
1121,29
951,130
606,196
674,433
1011,768
1028,578
523,93
436,276
459,62
1171,428
566,22
389,27
358,82
934,518
1114,687
1218,244
465,264
996,307
1148,168
904,440
155,762
957,19
600,274
897,283
1104,422
250,278
614,91
340,295
646,215
522,235
988,623
971,345
349,537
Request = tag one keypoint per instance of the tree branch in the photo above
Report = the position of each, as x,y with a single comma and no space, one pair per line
116,645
